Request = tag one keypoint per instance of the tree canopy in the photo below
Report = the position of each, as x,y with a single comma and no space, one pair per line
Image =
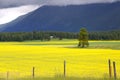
83,38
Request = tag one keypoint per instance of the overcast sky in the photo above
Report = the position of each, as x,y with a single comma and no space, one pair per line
11,9
7,3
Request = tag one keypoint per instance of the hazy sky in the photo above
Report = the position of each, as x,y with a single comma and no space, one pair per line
11,9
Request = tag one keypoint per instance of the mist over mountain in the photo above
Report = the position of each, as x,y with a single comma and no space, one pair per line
95,17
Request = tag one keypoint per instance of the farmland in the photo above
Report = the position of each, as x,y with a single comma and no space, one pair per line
18,58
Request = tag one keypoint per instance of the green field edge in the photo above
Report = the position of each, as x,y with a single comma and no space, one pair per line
61,78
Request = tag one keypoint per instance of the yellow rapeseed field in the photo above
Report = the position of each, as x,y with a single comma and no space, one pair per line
18,60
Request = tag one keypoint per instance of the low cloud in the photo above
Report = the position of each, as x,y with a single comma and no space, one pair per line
9,14
9,3
77,2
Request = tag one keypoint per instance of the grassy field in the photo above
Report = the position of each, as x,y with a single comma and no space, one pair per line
18,58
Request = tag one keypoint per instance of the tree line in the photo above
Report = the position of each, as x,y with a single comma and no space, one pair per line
106,35
39,35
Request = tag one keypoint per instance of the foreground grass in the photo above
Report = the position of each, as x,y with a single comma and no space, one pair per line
59,77
62,78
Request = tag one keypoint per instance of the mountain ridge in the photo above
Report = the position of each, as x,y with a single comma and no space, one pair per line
95,17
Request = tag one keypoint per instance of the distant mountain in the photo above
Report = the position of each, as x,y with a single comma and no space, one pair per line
95,17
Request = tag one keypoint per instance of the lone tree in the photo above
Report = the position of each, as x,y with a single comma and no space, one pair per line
83,38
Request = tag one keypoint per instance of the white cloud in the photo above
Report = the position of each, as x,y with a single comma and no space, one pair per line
77,2
9,14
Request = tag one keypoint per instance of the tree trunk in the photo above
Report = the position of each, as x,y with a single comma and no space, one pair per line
79,44
83,45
